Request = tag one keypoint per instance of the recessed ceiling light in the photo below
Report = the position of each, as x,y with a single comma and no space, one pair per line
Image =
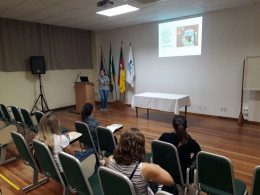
118,10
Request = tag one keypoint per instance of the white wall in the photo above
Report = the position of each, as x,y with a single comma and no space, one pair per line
213,80
21,89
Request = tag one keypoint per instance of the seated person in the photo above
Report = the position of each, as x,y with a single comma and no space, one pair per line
87,117
130,153
50,134
183,141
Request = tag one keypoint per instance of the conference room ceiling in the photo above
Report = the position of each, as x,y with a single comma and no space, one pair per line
82,13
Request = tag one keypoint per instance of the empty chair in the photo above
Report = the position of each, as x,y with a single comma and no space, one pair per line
28,159
28,121
39,115
166,155
17,116
5,139
6,116
18,120
48,164
2,123
255,189
80,179
114,182
85,140
106,141
215,175
1,115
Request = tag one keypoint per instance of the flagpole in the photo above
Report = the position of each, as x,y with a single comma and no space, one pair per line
103,59
109,72
114,83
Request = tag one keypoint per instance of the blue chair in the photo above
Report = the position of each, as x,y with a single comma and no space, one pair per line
114,182
215,175
255,189
48,164
28,159
79,179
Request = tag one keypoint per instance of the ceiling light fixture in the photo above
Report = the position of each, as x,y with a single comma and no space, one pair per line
118,10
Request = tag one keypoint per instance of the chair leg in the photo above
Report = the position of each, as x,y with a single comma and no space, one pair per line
36,182
3,159
66,191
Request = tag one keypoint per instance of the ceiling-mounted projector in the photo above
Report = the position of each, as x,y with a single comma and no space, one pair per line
105,3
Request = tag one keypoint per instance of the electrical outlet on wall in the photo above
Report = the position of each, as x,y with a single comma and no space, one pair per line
223,109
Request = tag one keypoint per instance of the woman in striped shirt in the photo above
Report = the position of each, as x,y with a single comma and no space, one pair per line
130,153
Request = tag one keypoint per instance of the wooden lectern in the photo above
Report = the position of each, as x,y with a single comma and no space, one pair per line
84,93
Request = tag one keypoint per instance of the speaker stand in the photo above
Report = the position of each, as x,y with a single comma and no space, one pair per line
41,98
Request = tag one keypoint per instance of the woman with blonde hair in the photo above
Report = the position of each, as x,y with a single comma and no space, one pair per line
129,159
50,134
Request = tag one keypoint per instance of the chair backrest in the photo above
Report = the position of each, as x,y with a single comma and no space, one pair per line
47,162
17,116
255,189
166,155
24,151
74,174
113,182
215,173
6,114
38,116
27,118
106,140
1,115
86,138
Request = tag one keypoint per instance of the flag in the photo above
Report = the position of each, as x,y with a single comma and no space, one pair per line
121,72
130,74
111,71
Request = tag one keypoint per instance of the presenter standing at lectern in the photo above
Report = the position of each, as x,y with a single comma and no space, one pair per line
104,83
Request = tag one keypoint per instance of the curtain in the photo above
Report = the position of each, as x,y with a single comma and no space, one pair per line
63,48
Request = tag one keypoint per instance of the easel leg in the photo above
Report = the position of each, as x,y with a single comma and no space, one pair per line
136,112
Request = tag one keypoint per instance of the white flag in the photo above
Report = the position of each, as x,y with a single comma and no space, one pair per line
130,74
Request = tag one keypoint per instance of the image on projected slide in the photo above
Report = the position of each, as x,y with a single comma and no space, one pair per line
180,38
187,36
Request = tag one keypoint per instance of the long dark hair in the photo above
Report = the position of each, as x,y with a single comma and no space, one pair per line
179,123
131,147
86,111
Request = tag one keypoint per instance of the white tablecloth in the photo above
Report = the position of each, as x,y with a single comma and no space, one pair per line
161,101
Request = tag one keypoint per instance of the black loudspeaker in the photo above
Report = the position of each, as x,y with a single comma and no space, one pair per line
37,64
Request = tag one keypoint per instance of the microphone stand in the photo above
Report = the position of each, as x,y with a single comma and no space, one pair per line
77,77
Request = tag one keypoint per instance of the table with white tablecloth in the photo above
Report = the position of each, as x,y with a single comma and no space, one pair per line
161,101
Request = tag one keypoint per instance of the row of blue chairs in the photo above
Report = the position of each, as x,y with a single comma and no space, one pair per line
75,179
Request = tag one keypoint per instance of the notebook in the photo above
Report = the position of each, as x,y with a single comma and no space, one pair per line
114,127
74,136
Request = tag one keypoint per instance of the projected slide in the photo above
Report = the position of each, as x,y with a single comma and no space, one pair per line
180,38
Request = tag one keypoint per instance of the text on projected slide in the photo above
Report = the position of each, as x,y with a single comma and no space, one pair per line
180,38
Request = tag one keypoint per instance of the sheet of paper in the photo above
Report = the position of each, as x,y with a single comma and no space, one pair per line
114,127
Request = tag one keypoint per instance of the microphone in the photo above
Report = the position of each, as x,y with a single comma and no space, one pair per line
78,76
